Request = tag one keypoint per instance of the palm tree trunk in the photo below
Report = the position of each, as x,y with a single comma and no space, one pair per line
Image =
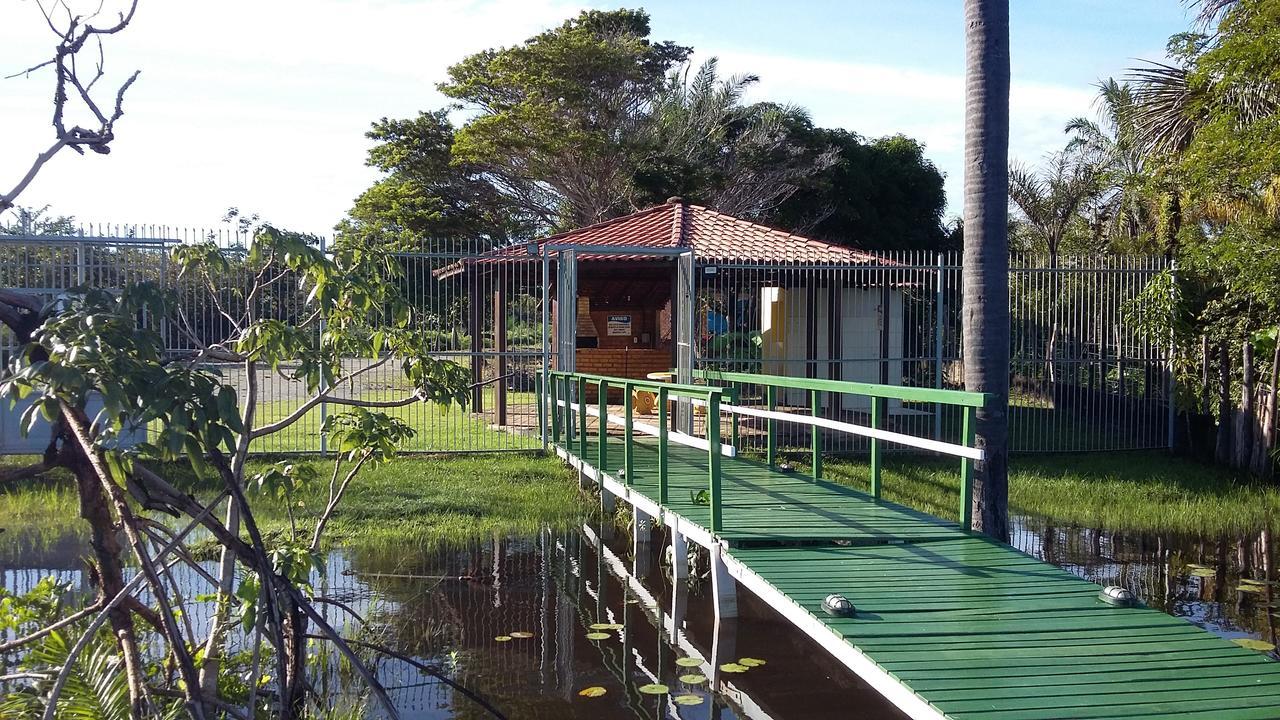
986,252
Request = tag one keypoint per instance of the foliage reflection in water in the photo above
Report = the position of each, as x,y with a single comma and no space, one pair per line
550,627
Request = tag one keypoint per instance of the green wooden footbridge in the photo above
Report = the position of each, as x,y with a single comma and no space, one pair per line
948,623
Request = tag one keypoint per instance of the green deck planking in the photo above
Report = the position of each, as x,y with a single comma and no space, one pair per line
976,628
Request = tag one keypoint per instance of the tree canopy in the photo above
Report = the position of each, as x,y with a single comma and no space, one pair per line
595,119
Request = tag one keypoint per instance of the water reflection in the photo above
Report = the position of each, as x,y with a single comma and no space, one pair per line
1225,584
452,606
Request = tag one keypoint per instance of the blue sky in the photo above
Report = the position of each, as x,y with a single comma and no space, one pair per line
264,105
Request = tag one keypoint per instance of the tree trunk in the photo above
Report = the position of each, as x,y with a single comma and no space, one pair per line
1243,437
986,252
1266,425
1222,449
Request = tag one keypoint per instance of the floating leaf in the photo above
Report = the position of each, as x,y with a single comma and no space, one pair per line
1198,566
521,634
693,679
503,638
1250,588
751,662
654,689
605,626
688,699
1203,572
1250,643
593,691
734,668
598,636
688,662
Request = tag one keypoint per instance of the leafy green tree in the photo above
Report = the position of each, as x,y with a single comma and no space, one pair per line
93,345
880,194
37,221
429,195
704,144
560,115
1049,202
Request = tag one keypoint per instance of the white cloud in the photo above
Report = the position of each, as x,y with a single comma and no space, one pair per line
257,104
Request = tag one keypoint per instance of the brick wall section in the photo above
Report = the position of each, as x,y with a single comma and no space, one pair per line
621,362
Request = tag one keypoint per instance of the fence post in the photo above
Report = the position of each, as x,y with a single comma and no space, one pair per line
553,396
542,408
628,453
877,449
966,470
713,457
324,406
939,310
582,418
662,446
815,435
735,395
771,426
602,454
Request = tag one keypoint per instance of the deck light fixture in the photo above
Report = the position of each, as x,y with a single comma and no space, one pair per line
1118,596
838,606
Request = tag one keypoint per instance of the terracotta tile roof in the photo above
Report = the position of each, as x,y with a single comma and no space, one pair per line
712,235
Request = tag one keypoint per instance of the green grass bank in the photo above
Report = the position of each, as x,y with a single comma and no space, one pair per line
1137,490
410,501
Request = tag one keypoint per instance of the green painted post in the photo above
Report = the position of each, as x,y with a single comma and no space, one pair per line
815,435
602,389
968,430
713,455
542,405
771,426
555,409
628,454
582,419
735,395
877,449
662,446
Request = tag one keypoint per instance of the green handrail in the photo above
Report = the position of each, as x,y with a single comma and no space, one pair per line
711,395
968,402
962,398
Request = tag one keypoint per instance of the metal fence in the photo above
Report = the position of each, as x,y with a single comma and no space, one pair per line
1083,377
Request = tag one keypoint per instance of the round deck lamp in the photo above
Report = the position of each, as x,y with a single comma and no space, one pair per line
838,605
1118,596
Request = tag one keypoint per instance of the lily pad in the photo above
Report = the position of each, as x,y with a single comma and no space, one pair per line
734,668
605,626
654,689
1203,572
1198,566
522,635
598,636
693,679
503,638
751,662
1250,643
1250,588
592,692
688,662
688,699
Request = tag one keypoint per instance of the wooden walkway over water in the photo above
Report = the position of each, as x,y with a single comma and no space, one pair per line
949,623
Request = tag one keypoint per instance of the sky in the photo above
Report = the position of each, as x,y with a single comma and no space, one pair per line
264,105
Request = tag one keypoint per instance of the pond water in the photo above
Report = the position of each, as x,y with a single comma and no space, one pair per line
468,609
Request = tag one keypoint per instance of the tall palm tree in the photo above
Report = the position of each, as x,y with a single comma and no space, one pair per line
1125,214
986,252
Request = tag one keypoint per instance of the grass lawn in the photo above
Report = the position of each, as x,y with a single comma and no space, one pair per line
1137,490
411,501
